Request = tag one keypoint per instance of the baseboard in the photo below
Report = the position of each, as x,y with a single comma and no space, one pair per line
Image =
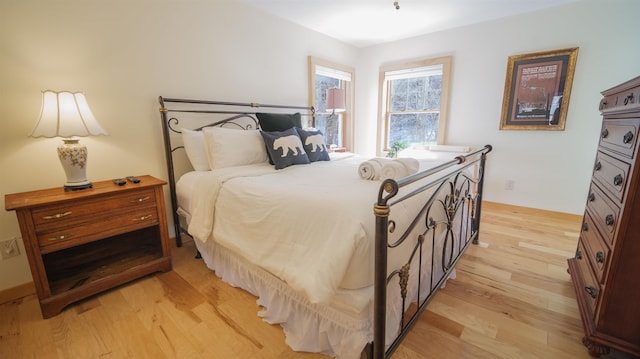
17,292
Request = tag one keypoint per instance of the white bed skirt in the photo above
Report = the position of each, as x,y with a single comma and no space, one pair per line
337,330
332,330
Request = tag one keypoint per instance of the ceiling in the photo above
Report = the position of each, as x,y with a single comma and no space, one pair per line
369,22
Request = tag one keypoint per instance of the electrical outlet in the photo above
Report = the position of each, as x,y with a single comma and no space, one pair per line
509,185
9,248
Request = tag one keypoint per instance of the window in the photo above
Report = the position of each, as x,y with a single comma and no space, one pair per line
414,102
324,75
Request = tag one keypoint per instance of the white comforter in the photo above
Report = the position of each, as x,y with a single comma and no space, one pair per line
310,225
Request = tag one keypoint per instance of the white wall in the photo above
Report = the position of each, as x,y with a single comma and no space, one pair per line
123,55
551,169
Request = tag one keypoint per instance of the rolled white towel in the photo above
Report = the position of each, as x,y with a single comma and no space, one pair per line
399,168
372,168
412,164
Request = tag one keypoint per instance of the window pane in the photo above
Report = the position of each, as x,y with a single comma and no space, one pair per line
331,127
323,83
416,94
413,128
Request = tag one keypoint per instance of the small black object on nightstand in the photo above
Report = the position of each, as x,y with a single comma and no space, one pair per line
119,181
133,179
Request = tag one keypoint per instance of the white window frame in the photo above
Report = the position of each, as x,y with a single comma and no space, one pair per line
346,75
396,71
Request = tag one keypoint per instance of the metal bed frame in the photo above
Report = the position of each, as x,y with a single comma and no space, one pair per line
454,192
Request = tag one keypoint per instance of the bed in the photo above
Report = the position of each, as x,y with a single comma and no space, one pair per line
343,262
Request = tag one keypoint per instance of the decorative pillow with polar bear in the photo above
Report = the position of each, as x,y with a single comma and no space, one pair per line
314,145
285,148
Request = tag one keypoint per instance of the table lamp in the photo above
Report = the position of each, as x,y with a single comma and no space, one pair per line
67,115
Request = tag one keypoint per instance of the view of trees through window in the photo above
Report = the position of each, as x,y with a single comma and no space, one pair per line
414,110
414,107
329,124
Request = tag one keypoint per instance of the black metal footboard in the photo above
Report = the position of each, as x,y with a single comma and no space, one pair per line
449,199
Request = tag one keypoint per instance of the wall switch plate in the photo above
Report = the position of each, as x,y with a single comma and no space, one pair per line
9,248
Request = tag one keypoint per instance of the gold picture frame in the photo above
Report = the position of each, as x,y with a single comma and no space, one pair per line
537,90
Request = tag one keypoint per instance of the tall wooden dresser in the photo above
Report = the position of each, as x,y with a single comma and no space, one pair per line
606,268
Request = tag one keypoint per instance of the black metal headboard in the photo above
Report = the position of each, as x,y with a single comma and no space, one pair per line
177,114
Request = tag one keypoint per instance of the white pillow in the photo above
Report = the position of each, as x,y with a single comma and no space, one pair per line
196,149
234,147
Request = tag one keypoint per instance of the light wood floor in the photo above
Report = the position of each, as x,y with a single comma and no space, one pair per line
512,299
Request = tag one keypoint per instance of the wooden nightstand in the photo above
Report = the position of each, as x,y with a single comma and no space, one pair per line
85,242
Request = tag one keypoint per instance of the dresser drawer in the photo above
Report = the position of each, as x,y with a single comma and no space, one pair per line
612,174
591,289
620,136
596,250
46,219
121,222
621,100
604,212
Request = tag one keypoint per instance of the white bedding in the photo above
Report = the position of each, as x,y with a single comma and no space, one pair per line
310,225
248,239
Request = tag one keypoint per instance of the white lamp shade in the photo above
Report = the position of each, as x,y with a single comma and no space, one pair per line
335,100
66,114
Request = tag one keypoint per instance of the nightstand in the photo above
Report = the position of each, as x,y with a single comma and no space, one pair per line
84,242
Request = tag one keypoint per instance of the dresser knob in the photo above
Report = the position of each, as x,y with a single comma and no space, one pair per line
598,166
138,200
578,254
628,137
609,220
617,180
604,133
592,197
585,227
591,291
600,257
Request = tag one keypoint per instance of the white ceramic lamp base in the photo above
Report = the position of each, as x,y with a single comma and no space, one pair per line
73,157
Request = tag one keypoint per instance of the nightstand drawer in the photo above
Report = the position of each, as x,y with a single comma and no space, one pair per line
612,174
605,213
61,238
91,210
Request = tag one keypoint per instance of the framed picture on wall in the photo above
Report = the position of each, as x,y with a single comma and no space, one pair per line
537,90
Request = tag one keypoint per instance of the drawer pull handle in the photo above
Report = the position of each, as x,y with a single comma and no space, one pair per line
628,137
617,180
628,99
578,254
598,166
585,227
604,133
603,104
600,257
592,197
138,200
62,237
143,218
591,291
57,215
609,220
